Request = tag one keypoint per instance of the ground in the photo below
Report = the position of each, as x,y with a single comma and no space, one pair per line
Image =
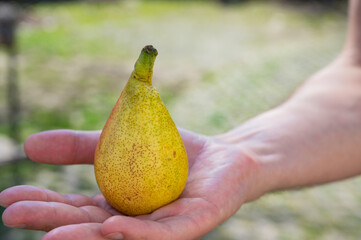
217,67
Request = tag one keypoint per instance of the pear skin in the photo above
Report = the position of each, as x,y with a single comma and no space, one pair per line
140,161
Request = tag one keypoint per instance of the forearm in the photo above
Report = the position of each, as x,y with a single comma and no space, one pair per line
352,47
313,138
320,139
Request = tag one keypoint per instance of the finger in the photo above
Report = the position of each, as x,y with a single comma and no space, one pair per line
30,193
48,215
75,147
62,146
193,143
173,209
132,228
183,219
88,231
101,202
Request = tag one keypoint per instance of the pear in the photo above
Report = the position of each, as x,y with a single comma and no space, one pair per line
140,160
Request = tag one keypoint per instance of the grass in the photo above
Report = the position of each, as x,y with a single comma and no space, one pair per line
217,67
77,57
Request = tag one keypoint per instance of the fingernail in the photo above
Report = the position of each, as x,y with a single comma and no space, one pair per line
115,236
17,226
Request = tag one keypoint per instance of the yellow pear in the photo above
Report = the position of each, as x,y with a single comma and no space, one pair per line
140,160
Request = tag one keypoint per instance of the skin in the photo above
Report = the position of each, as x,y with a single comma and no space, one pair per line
140,161
312,138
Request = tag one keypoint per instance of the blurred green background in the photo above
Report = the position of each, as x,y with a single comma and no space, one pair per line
218,66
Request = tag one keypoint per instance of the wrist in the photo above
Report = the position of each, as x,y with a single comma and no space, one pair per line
254,141
260,180
271,140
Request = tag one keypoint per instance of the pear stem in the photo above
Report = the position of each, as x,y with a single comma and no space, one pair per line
143,68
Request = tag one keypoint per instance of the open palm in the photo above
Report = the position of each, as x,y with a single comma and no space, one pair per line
217,185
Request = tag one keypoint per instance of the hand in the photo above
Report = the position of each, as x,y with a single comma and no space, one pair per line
220,175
